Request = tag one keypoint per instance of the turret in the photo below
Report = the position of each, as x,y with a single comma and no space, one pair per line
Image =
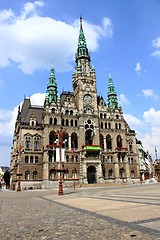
51,93
112,96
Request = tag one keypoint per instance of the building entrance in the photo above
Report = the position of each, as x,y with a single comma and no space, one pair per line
91,174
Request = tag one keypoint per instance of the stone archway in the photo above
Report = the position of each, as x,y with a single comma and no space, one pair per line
91,174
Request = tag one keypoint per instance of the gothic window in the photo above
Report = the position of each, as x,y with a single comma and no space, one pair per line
27,175
89,137
26,159
101,115
117,116
105,125
49,156
75,123
119,126
101,124
32,123
36,159
109,125
108,142
50,121
105,115
119,141
130,147
31,159
27,142
116,126
36,143
35,175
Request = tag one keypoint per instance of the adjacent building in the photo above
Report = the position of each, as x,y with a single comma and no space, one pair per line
97,143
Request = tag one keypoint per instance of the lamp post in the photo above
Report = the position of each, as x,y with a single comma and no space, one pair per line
19,174
61,135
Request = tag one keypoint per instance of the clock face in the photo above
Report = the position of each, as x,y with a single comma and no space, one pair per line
87,99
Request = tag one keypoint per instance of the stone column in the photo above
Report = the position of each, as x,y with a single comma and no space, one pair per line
105,145
45,170
116,167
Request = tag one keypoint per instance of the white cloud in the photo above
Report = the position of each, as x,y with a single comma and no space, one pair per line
133,122
156,53
33,41
138,68
123,99
156,44
149,93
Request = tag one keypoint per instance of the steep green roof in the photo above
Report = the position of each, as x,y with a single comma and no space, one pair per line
112,96
52,94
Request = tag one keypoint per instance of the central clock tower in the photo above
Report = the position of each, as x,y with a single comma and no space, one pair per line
84,78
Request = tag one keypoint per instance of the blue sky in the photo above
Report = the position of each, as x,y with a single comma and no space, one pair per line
123,37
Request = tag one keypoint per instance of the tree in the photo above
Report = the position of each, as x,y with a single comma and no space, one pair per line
6,178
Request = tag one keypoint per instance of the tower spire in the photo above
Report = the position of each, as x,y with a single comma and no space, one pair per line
52,93
82,50
112,96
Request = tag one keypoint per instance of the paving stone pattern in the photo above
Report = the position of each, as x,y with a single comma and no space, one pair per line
35,215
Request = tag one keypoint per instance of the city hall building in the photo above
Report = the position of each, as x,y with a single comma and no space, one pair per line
76,135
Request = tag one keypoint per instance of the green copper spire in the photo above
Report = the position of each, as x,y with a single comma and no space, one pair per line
112,96
82,50
51,94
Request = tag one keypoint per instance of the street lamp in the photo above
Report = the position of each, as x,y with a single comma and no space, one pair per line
19,174
61,135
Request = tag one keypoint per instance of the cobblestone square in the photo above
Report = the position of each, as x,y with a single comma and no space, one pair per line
99,212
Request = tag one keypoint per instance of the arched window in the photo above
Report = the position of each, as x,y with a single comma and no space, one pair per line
26,159
105,125
72,123
67,112
101,141
35,175
36,159
67,122
119,141
36,143
52,137
110,173
116,126
27,142
132,174
75,123
62,122
50,121
53,110
101,124
31,159
71,112
27,175
122,173
108,142
101,115
74,141
55,121
109,125
105,115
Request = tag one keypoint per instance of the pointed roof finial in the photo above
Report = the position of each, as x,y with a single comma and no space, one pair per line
80,22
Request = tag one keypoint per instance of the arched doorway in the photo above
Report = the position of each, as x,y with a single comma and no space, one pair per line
91,174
